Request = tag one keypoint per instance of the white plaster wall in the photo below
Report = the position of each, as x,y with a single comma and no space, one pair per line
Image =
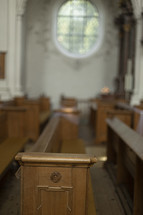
23,74
7,44
50,72
3,24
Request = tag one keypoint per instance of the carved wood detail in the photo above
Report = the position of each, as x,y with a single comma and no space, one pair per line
55,200
2,65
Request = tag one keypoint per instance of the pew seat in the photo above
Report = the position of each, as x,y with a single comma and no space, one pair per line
44,116
73,146
8,149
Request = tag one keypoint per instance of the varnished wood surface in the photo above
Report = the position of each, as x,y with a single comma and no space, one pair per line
26,117
100,123
56,158
42,165
73,146
78,147
68,102
45,104
44,115
22,120
132,139
2,64
3,127
49,137
129,160
8,149
124,115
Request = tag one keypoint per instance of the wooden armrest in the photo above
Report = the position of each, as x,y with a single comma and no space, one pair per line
56,158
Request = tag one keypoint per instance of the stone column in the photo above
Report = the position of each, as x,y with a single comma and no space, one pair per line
124,53
138,86
20,10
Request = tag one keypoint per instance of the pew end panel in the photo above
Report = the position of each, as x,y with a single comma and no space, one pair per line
60,179
101,115
51,141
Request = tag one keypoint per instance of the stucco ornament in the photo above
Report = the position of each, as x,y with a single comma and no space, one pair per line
20,7
138,7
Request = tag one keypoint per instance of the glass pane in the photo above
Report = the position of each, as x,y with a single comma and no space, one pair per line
91,27
65,10
77,26
63,25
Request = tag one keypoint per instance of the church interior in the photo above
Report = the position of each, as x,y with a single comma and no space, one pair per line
71,107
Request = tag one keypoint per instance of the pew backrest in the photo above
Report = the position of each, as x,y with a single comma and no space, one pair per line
3,126
49,140
125,148
130,137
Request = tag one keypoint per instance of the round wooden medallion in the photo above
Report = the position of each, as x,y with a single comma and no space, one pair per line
55,177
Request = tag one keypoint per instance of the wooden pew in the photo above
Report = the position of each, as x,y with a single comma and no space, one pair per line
16,117
100,110
137,114
101,114
68,102
40,111
45,111
124,115
92,115
125,149
50,174
26,117
10,145
22,121
69,122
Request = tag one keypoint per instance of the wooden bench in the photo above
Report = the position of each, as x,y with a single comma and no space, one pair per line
68,102
125,149
9,145
26,117
124,115
51,157
102,109
137,114
42,105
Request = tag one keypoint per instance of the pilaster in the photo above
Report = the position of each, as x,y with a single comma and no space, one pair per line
138,86
20,10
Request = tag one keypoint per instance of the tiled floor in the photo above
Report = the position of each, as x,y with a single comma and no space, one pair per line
10,193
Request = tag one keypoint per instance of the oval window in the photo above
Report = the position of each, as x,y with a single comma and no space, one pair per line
77,27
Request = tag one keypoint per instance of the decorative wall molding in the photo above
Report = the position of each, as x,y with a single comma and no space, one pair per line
20,7
138,6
